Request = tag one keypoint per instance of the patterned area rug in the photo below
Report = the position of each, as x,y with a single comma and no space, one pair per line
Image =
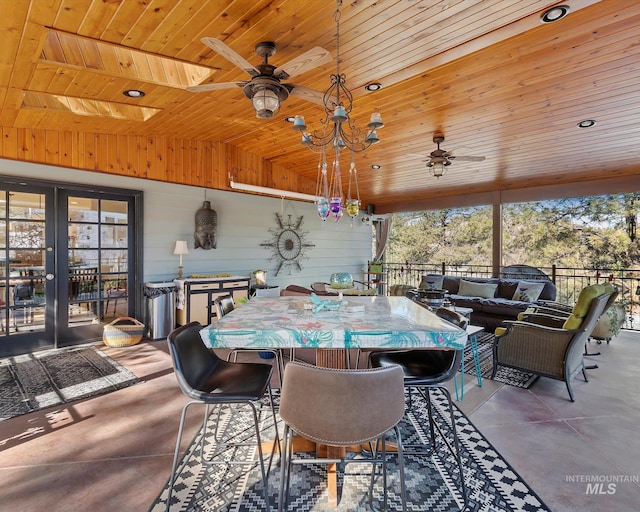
432,483
30,382
509,376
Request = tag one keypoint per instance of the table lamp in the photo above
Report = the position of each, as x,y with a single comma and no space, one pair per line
180,249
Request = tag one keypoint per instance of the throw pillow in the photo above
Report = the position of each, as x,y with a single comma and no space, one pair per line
431,282
482,290
528,291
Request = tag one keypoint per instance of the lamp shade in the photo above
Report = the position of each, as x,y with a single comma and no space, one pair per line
181,247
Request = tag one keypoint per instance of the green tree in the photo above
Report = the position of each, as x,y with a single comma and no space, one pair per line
457,236
586,232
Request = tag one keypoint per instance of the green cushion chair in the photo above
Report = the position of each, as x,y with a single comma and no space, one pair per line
552,346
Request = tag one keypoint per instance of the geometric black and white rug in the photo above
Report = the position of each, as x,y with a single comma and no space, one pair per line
431,482
29,382
510,376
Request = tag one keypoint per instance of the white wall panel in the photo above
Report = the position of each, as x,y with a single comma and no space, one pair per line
243,224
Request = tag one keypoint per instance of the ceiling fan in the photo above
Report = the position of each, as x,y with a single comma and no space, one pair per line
265,88
439,159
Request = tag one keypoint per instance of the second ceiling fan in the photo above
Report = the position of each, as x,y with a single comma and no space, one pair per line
439,159
266,89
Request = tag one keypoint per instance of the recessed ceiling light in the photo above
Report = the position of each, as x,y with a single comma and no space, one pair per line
587,123
373,86
555,13
290,119
375,166
133,93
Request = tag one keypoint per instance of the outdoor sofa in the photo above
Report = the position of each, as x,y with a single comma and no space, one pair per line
492,300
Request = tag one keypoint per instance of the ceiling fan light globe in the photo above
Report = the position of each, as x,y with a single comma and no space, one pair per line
266,103
438,169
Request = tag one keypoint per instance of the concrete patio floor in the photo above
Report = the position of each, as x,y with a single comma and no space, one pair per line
114,452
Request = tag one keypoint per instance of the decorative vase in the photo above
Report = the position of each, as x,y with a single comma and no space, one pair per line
341,280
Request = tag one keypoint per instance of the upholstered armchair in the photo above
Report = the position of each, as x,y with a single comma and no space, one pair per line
552,346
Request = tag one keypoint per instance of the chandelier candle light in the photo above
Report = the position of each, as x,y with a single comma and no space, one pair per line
340,132
180,249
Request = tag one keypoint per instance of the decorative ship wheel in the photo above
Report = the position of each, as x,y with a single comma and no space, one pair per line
288,243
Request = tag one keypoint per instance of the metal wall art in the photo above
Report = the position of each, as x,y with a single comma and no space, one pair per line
288,243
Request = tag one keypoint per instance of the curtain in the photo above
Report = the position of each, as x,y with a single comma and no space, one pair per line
383,228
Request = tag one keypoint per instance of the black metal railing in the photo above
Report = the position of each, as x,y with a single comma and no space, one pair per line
569,281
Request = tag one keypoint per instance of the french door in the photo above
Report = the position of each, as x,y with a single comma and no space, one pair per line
68,265
26,279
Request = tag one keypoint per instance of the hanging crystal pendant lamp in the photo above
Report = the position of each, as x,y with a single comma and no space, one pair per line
335,189
353,203
322,188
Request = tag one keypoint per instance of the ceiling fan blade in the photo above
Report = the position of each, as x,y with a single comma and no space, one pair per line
421,155
218,46
467,158
215,87
304,93
308,60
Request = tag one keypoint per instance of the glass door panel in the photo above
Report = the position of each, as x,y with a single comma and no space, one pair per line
97,272
25,254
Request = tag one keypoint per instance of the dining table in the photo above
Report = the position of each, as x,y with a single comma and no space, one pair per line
332,326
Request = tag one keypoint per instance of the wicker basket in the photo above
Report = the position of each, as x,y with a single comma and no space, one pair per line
124,331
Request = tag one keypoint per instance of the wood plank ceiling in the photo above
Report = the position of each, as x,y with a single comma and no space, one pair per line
488,74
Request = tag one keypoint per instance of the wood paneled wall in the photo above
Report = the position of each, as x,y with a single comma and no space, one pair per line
185,161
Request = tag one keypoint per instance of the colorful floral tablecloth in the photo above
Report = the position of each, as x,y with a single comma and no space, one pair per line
359,322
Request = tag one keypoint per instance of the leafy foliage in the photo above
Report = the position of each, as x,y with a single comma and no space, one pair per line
585,232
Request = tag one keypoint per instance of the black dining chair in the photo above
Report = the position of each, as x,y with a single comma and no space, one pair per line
224,305
425,371
209,380
341,408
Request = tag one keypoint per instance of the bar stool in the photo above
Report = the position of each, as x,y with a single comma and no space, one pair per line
208,380
224,305
425,371
341,408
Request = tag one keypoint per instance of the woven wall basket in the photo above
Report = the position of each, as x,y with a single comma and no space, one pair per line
124,331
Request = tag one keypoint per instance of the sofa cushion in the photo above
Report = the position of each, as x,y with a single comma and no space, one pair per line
451,284
466,302
503,307
506,288
528,291
432,282
581,309
483,290
293,289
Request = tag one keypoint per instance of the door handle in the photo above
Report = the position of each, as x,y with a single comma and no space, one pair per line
49,277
